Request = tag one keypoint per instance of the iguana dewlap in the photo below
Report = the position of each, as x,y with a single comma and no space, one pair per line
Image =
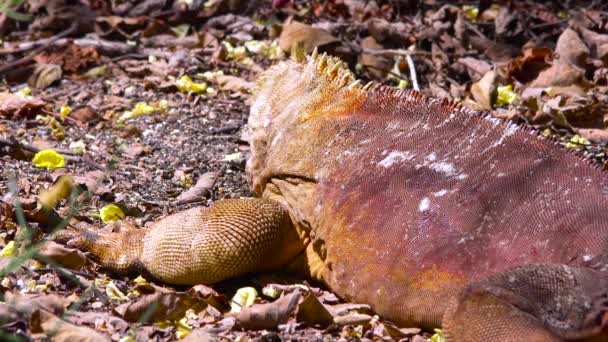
432,213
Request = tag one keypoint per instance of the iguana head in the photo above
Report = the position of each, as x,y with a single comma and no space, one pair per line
288,95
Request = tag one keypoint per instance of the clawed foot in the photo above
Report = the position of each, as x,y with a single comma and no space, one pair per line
118,252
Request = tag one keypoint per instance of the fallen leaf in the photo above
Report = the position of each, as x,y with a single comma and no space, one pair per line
93,181
186,85
62,331
113,292
234,83
85,114
270,315
8,250
594,134
199,191
48,159
570,48
305,35
352,319
19,104
476,66
199,335
70,57
505,95
65,256
484,91
162,304
111,213
527,67
26,304
244,297
44,75
310,310
378,65
559,74
59,191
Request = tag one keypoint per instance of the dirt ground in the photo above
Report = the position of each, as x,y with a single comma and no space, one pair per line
102,84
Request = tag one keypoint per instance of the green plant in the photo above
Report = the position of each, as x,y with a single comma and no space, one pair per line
9,8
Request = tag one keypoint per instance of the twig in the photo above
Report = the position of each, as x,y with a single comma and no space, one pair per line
395,52
412,67
16,144
47,42
66,118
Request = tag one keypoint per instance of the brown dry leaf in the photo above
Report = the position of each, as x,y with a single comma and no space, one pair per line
44,75
41,311
484,90
476,67
598,43
390,330
527,67
234,83
561,73
162,304
109,24
43,322
134,150
93,181
353,319
211,297
387,32
111,323
345,308
306,36
198,335
379,65
65,256
570,48
85,114
578,111
270,315
594,134
70,57
312,311
19,104
199,191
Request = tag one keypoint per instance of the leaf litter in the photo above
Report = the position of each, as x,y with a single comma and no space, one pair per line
140,93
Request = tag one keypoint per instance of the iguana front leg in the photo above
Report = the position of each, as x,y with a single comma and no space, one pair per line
539,302
198,245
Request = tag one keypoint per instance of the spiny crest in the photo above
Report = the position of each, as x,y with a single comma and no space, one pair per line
334,70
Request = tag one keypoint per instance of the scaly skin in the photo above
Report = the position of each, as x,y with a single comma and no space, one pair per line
426,210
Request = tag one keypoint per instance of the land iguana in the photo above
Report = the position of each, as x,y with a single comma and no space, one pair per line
433,213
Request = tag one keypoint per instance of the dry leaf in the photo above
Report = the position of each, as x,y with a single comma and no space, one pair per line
308,37
379,65
594,134
85,114
19,104
59,191
312,311
270,315
199,191
475,66
62,331
570,48
65,256
93,181
484,91
527,67
44,75
234,83
161,304
70,57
